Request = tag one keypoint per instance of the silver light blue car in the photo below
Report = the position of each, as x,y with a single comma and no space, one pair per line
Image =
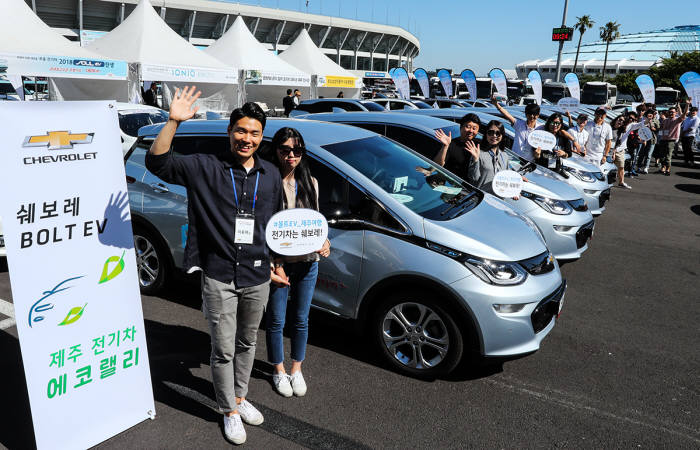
556,208
429,266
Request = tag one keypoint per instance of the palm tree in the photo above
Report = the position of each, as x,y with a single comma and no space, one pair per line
609,33
583,23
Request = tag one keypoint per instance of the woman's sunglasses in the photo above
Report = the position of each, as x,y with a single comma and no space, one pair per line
493,133
556,123
286,150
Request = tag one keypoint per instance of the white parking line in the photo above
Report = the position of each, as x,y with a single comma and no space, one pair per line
7,309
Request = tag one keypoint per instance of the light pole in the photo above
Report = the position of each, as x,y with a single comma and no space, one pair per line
561,43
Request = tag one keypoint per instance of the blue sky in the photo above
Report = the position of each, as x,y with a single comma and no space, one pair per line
481,35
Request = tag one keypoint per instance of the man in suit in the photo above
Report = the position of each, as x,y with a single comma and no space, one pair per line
150,97
288,103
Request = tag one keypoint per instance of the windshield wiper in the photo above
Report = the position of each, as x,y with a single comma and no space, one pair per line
460,202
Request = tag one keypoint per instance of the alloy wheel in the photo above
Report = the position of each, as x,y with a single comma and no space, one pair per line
147,261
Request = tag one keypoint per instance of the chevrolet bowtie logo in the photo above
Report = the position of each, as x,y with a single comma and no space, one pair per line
56,140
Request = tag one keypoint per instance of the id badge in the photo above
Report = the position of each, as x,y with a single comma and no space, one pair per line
245,229
551,162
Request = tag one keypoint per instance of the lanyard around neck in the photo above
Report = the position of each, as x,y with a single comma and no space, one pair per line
235,194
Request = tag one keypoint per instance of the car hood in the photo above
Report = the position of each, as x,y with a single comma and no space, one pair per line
492,230
579,163
549,186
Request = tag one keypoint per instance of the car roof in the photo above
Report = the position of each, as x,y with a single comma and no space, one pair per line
121,106
320,100
320,133
394,118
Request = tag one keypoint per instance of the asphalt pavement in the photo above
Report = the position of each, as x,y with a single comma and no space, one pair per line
621,368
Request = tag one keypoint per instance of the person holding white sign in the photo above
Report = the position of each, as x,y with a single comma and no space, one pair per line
293,277
622,127
651,122
490,160
562,148
231,197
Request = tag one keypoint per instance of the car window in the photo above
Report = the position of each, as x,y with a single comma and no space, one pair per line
131,122
427,146
371,106
395,105
378,128
336,194
347,106
422,105
410,179
307,107
7,89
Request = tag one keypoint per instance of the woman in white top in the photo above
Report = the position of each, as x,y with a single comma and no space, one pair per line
622,127
293,277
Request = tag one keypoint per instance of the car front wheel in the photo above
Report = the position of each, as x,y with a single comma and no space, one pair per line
151,262
416,335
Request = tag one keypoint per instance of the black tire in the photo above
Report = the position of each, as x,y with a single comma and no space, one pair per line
414,342
152,260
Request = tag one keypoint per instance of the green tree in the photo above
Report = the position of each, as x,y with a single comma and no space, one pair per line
582,24
608,33
668,71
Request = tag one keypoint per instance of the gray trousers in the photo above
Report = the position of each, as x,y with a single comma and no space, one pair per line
234,316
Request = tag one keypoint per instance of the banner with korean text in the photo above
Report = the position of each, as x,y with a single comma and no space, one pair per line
445,81
691,84
400,78
571,80
469,80
72,266
536,83
499,80
423,81
646,87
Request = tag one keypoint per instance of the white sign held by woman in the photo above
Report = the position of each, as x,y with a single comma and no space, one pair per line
568,104
645,134
507,184
297,231
542,139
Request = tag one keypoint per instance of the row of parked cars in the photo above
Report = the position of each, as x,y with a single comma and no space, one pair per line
430,267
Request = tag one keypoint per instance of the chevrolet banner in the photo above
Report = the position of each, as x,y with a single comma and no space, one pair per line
72,266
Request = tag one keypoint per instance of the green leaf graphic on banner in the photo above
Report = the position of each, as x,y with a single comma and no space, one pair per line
115,271
73,315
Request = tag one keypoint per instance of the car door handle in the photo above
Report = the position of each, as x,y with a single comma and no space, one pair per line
159,187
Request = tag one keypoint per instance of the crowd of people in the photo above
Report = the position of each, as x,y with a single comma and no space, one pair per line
597,141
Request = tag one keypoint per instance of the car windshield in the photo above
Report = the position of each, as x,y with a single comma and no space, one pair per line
371,106
422,105
409,178
131,122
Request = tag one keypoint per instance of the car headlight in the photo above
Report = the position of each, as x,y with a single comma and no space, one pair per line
496,272
559,207
582,175
493,272
599,176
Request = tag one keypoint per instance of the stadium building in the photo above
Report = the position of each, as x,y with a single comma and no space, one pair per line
630,53
353,44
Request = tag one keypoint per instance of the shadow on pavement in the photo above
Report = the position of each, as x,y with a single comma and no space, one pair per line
691,188
693,175
695,209
174,350
15,415
184,290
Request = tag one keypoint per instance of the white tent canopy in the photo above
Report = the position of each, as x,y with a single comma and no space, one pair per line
163,55
305,56
42,52
268,76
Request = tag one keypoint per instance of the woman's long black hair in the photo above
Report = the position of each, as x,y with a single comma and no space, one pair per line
550,119
306,192
498,124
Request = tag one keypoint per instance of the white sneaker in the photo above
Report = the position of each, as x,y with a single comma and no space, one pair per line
233,429
249,413
298,384
281,382
625,185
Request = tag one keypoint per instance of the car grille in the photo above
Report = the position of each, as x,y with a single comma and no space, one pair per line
538,265
612,176
583,234
578,205
604,197
547,308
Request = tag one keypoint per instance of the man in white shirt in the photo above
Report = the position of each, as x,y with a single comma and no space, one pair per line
579,132
599,138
